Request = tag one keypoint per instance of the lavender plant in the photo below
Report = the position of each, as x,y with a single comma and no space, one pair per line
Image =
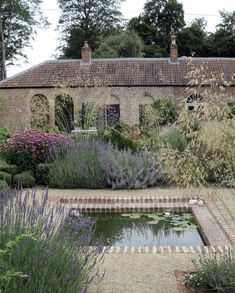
215,273
79,167
59,256
125,169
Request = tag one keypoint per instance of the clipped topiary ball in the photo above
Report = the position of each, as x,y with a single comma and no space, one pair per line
24,179
42,173
11,169
3,185
6,176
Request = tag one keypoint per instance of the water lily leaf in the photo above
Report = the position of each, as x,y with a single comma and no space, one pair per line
176,223
135,216
156,217
178,229
132,215
125,215
192,227
155,222
187,216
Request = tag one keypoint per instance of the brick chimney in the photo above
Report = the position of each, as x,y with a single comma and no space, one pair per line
86,53
174,49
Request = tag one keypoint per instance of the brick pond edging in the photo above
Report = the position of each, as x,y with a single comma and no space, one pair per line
212,219
180,280
165,249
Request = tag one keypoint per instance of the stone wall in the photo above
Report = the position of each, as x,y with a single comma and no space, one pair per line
15,107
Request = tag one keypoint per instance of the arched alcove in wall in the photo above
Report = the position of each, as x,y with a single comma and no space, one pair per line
64,113
111,110
145,111
39,111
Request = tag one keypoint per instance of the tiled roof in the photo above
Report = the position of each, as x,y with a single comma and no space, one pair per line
116,72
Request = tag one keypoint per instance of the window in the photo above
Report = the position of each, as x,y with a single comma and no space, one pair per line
194,102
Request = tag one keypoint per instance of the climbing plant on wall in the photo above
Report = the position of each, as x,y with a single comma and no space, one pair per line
64,113
39,108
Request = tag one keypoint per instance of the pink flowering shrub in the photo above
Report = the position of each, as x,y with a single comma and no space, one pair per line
29,148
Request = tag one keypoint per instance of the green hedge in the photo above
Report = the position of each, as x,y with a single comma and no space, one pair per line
25,179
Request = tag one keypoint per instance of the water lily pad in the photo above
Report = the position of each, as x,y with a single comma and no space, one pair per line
178,229
187,216
132,216
192,226
155,222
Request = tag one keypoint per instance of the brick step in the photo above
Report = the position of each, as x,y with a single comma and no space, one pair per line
130,207
118,200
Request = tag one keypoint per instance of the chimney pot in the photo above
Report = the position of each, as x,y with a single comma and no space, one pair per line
86,53
174,49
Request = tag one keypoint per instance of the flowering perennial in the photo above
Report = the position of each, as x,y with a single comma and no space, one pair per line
31,147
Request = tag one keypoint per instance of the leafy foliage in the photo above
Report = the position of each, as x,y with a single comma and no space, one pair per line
4,135
214,272
42,173
183,168
87,20
28,148
55,256
216,149
155,25
180,222
122,44
8,275
24,179
3,185
176,140
161,112
19,21
120,137
5,167
39,108
125,169
78,168
221,43
6,176
167,111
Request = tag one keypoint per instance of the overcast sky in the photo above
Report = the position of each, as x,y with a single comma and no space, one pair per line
46,41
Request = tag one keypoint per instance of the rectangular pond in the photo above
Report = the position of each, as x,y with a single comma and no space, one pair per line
147,229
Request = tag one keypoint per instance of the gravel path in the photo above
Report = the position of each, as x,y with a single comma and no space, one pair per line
206,192
142,273
147,273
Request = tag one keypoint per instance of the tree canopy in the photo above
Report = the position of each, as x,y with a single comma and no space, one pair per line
18,22
192,38
222,42
122,44
87,20
155,25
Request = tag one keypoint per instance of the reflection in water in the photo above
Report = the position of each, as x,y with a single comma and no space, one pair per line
116,230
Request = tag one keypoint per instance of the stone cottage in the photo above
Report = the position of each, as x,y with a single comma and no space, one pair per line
120,85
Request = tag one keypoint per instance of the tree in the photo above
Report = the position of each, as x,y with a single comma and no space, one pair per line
87,20
222,42
155,25
123,44
192,39
18,21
